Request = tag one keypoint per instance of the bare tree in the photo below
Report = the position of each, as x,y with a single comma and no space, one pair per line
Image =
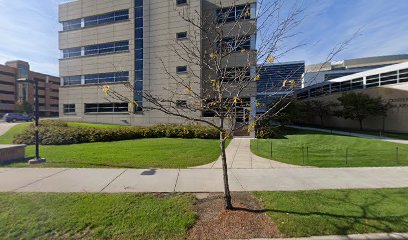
215,88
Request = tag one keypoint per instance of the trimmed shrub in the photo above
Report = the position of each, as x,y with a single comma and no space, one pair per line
268,132
58,133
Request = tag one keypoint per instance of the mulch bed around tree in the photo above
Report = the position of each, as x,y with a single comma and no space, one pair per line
247,221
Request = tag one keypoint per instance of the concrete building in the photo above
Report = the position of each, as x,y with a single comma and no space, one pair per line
275,79
114,42
390,83
17,85
318,73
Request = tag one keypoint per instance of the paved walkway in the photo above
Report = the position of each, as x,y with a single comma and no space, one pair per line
4,127
368,236
360,135
197,180
239,156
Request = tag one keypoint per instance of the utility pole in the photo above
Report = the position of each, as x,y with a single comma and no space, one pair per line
37,158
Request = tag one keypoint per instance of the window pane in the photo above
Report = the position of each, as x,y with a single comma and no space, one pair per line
91,21
89,79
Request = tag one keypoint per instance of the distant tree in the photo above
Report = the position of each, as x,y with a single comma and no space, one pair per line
24,107
359,106
320,108
286,111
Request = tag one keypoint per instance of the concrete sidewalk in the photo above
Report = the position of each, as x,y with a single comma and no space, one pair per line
197,180
4,127
368,236
239,156
360,135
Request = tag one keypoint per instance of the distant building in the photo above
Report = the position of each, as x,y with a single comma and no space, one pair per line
17,86
113,42
318,73
390,83
271,84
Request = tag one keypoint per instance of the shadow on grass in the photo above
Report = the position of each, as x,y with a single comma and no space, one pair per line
367,215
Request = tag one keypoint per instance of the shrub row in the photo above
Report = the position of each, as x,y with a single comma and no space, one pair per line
267,132
58,133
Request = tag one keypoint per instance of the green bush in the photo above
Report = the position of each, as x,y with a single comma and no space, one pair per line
266,132
59,133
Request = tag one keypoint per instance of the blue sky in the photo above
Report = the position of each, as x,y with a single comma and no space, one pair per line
29,30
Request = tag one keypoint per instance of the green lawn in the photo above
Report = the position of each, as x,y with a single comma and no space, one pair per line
403,136
332,212
8,137
95,216
302,147
141,153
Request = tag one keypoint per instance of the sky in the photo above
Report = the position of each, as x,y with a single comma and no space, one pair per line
29,30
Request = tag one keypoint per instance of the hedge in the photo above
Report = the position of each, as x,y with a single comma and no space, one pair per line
59,133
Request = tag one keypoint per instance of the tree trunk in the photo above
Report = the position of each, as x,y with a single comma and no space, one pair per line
321,121
227,193
361,124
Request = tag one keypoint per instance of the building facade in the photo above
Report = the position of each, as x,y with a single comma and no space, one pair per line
17,85
390,83
107,42
278,80
318,73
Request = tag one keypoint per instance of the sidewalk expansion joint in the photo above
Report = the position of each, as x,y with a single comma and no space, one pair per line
36,181
113,180
175,185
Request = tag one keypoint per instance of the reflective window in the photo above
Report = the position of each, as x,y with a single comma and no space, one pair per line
231,14
68,108
71,25
233,44
73,80
71,52
107,48
106,77
106,18
181,69
181,35
106,107
181,2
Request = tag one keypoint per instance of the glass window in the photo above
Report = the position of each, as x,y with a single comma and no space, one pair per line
235,44
68,108
91,21
122,77
106,18
139,33
181,35
106,48
91,50
231,14
73,80
106,107
122,46
139,75
138,43
138,3
92,79
181,69
139,54
181,2
71,25
139,86
121,15
139,65
71,52
181,103
139,12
